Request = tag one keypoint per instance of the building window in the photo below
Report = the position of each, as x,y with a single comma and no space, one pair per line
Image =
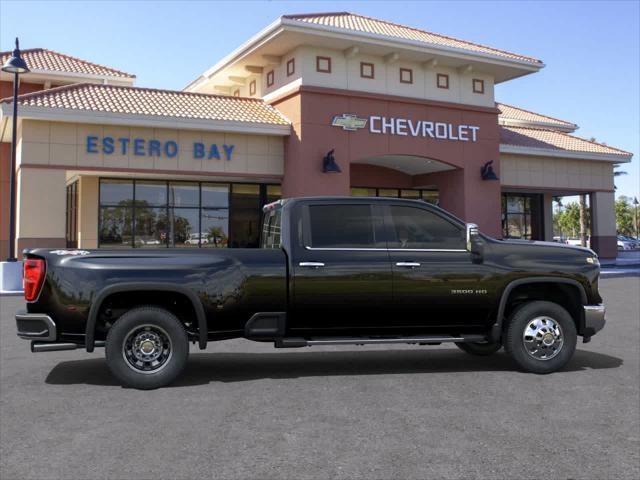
521,216
270,78
72,215
252,88
478,86
323,64
291,67
406,75
430,196
154,214
367,70
443,80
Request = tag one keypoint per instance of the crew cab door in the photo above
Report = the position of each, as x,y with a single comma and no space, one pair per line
435,282
342,274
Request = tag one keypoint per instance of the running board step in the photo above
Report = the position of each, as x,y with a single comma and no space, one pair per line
293,342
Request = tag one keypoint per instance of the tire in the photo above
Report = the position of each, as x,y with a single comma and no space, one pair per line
481,349
531,329
147,348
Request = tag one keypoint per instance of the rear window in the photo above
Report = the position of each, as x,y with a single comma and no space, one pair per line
341,226
271,231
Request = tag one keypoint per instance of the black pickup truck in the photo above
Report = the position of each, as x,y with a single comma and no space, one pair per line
330,271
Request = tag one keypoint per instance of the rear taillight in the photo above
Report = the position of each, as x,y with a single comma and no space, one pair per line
34,272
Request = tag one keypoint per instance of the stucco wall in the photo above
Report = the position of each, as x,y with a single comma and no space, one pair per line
41,207
88,212
555,173
345,74
65,144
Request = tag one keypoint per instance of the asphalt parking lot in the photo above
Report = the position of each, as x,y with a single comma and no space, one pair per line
246,410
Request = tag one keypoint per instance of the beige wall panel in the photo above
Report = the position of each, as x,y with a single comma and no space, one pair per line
42,203
88,213
527,171
603,208
64,133
61,154
34,153
257,144
35,131
186,162
163,162
276,146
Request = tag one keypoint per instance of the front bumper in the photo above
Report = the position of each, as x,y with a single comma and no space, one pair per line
593,319
36,326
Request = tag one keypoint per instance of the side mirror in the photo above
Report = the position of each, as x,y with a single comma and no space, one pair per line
474,242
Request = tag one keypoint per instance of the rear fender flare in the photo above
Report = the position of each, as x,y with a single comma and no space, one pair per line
496,329
144,286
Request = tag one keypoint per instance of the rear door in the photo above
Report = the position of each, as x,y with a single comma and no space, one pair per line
342,274
435,282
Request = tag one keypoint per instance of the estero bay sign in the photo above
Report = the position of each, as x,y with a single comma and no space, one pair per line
160,148
408,127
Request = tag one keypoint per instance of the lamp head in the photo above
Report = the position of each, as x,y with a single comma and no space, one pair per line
15,63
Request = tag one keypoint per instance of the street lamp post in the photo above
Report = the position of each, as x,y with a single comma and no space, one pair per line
16,65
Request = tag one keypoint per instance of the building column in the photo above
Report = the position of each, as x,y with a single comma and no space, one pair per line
88,212
603,224
547,217
42,204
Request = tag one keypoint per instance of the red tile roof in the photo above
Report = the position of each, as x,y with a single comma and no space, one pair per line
360,23
147,101
553,140
516,113
48,60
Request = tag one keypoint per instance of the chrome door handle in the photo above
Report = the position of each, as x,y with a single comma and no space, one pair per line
408,264
311,264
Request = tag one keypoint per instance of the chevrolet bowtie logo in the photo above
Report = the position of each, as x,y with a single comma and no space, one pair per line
349,122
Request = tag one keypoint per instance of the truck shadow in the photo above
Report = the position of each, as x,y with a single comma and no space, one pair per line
205,368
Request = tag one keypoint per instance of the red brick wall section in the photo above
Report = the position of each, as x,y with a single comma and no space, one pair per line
6,88
462,191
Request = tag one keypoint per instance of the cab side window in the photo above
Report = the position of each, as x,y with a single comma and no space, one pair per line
415,228
341,226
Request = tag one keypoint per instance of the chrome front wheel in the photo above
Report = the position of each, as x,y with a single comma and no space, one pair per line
543,338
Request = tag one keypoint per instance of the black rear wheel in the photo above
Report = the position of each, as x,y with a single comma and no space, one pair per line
147,348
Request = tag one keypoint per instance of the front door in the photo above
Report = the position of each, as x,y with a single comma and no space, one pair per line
342,275
435,283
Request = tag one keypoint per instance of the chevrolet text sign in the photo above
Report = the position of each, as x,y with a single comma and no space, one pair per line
408,128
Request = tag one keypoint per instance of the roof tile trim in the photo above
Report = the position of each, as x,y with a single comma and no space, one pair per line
535,114
67,96
497,51
596,147
37,64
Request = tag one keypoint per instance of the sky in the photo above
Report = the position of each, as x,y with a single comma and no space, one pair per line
591,49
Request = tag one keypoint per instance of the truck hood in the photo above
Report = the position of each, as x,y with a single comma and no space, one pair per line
538,243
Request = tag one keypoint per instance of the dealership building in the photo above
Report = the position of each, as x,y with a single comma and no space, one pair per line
317,104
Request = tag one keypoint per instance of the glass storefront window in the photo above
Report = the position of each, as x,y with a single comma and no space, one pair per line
181,214
245,215
116,192
184,227
151,226
521,216
182,194
388,192
116,227
215,227
152,194
215,195
430,196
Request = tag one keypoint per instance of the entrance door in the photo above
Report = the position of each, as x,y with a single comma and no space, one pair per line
435,283
342,274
